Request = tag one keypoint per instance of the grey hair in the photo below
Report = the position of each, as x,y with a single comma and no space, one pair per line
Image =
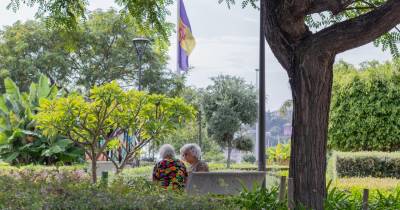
167,150
193,148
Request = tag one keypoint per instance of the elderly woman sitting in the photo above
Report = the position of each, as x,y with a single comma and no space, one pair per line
170,172
191,153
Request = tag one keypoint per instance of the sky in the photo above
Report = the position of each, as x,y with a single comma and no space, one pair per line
227,43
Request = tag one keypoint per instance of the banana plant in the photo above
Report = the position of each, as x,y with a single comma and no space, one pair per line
20,141
279,154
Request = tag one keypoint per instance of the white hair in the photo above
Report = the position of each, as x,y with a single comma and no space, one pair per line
167,150
194,149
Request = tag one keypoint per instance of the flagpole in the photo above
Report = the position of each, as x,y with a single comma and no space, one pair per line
178,12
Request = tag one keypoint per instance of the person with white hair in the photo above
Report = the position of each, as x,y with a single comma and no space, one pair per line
170,172
191,153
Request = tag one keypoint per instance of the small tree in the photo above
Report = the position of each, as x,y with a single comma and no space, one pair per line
149,118
228,104
96,121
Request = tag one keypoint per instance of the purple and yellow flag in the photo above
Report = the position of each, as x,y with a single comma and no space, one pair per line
186,41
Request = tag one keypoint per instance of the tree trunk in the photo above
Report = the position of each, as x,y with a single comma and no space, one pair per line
311,83
228,161
94,169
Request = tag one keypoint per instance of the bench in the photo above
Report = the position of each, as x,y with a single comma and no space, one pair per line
223,183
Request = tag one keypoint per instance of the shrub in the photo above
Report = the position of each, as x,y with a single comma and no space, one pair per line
126,191
214,156
249,158
364,112
135,194
259,198
365,164
21,142
280,154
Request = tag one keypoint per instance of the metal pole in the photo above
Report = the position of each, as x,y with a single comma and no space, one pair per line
261,119
258,114
178,70
200,137
140,74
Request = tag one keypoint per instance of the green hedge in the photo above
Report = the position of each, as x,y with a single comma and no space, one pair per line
365,113
365,164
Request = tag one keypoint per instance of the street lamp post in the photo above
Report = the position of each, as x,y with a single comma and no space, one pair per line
140,45
261,117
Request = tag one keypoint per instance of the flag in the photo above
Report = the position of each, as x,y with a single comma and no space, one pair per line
186,41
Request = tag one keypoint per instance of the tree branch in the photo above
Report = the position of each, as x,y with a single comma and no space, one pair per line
277,39
334,6
357,31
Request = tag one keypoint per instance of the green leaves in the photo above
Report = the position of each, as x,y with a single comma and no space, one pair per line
93,121
60,14
364,110
60,146
99,50
228,104
21,141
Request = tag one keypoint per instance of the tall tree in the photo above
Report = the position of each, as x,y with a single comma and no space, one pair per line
228,104
305,36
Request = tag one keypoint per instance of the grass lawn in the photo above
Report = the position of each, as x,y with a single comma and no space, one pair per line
367,183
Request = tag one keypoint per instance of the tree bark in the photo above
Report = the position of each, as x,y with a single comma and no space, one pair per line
94,167
228,161
311,85
94,170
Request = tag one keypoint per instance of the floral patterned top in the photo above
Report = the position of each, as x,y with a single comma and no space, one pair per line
170,172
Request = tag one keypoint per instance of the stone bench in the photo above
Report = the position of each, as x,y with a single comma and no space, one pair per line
223,183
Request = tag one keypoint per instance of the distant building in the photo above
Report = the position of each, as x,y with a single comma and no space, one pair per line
287,129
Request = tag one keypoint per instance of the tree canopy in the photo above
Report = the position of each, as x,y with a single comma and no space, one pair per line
228,104
95,121
148,16
102,52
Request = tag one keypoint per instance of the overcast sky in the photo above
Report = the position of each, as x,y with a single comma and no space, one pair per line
227,43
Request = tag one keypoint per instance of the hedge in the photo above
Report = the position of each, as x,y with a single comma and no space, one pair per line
365,164
365,114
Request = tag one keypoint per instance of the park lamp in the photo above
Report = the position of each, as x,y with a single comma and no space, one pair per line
140,45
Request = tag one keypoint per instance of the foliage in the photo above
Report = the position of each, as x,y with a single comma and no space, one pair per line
149,17
364,111
228,104
102,51
338,199
70,188
244,143
120,194
108,112
365,164
249,158
21,142
215,155
280,154
259,198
